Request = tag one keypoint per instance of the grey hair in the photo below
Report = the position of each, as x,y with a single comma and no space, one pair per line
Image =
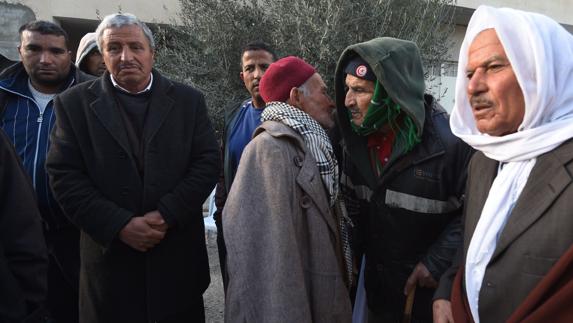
118,20
304,88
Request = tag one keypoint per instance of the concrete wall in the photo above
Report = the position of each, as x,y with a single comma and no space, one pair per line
12,16
77,17
156,11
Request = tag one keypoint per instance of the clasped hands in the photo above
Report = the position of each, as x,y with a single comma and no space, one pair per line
144,232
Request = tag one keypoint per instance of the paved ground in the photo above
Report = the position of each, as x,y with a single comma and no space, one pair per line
214,297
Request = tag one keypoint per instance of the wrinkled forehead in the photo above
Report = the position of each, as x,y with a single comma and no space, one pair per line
483,38
124,30
486,47
351,80
493,26
486,36
129,34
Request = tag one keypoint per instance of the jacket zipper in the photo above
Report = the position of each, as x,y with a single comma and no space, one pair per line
39,121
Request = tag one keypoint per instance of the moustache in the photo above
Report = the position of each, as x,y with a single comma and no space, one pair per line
480,101
127,66
354,111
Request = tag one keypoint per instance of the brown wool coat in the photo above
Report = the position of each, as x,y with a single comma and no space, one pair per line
95,179
281,236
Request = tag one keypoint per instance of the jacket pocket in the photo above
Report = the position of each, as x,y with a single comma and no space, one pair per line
538,266
325,296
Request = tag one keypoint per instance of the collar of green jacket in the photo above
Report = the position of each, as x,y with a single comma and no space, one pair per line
397,66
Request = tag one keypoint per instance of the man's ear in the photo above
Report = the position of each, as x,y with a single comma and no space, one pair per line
294,97
242,76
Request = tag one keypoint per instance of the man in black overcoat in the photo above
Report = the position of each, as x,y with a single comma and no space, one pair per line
133,157
23,252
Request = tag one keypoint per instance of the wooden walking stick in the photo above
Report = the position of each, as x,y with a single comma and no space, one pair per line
409,305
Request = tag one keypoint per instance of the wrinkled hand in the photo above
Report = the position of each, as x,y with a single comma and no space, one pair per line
442,311
156,221
420,276
140,234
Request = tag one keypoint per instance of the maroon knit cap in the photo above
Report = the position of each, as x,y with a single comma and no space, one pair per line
282,76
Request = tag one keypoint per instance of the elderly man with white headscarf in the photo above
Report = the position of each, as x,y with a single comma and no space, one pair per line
514,104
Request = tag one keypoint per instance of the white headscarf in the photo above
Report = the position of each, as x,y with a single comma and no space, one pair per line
541,54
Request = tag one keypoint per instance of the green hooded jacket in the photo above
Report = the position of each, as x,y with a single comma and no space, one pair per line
411,213
397,66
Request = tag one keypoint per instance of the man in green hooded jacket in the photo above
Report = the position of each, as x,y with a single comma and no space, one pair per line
403,177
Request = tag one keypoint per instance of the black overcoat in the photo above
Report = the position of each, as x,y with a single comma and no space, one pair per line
95,178
23,252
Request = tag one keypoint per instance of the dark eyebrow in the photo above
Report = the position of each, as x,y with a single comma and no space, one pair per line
489,61
32,46
495,58
52,48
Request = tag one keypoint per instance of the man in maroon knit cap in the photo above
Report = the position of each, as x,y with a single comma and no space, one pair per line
281,220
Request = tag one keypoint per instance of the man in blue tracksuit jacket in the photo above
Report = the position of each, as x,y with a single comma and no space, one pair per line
27,117
241,120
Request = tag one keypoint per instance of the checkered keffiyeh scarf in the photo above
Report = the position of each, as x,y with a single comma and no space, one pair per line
315,138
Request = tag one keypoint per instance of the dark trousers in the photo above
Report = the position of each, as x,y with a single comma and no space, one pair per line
222,253
390,318
195,314
63,274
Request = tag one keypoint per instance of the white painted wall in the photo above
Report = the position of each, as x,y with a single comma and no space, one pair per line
442,88
560,10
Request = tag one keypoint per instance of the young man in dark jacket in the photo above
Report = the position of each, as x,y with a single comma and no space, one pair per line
88,56
403,176
241,120
27,90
